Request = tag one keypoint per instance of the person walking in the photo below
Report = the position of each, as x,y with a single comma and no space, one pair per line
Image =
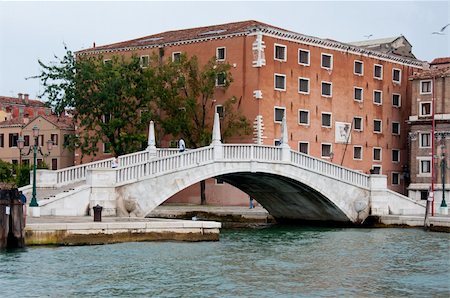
251,203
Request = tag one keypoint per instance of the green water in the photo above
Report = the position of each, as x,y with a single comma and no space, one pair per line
271,262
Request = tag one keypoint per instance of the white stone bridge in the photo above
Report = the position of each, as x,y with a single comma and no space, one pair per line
291,186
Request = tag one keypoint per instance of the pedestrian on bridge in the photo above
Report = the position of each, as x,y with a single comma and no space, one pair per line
181,145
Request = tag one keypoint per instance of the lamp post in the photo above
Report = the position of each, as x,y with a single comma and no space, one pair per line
36,148
443,169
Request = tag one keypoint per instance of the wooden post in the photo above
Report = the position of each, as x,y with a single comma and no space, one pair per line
12,221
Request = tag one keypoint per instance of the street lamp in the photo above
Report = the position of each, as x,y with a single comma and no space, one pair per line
443,169
36,148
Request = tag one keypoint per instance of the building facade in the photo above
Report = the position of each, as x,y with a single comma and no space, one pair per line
22,114
343,103
430,98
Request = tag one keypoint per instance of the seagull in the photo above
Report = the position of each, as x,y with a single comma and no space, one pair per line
368,36
441,32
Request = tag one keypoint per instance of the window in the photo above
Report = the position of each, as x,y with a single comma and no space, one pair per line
276,142
54,138
144,61
326,120
280,82
357,123
54,163
395,179
41,140
327,61
279,113
26,141
106,118
357,152
326,89
219,181
358,68
358,94
2,140
40,163
107,62
396,75
395,128
220,54
280,52
326,150
303,57
303,85
376,170
221,79
220,110
425,166
424,195
425,140
377,154
377,126
378,71
377,97
13,137
425,109
176,56
303,147
425,87
303,117
395,155
396,100
107,147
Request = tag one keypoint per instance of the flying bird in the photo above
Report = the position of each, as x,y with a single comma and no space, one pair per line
441,32
368,36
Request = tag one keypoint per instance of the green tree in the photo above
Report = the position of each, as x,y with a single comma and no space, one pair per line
106,97
6,171
186,101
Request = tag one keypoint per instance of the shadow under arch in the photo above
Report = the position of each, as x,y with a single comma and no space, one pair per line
286,199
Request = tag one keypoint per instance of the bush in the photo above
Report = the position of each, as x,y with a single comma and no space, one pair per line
6,171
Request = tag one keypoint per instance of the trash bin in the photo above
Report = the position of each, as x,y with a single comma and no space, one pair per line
97,212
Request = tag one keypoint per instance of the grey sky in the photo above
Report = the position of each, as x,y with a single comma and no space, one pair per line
37,30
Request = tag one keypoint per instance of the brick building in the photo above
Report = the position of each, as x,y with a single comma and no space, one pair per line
426,85
343,103
18,117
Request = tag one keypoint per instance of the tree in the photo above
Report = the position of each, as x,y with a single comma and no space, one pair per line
186,102
106,97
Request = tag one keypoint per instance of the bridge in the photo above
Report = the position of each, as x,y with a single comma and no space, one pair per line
290,185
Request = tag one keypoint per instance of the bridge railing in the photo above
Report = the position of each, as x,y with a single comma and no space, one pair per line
329,169
251,152
78,173
172,162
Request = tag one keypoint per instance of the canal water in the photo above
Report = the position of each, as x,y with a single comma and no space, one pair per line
270,262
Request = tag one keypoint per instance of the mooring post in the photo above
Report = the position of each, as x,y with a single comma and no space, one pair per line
12,222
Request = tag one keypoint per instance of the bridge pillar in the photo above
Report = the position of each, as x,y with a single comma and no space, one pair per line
379,203
103,191
285,149
151,148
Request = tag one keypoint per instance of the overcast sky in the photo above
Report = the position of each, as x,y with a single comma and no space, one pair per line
37,30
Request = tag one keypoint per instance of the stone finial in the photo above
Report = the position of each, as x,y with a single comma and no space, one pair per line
151,137
216,131
284,142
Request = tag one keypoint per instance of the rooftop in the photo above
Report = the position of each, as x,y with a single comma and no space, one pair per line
373,42
7,100
62,122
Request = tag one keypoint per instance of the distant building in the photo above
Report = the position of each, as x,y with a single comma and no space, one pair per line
426,84
398,45
18,117
343,103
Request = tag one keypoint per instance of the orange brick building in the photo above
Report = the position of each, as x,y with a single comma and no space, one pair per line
343,103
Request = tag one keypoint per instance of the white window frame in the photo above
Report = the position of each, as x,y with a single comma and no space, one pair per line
331,89
354,94
331,119
357,146
309,57
224,54
392,155
276,142
399,76
378,166
275,81
331,61
275,113
392,128
381,154
381,98
174,54
381,126
421,173
304,124
431,86
420,139
392,178
362,68
374,72
362,123
321,150
223,110
302,142
275,45
306,79
420,108
224,81
399,100
141,63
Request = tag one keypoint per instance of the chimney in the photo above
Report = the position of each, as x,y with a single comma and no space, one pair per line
19,95
26,97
